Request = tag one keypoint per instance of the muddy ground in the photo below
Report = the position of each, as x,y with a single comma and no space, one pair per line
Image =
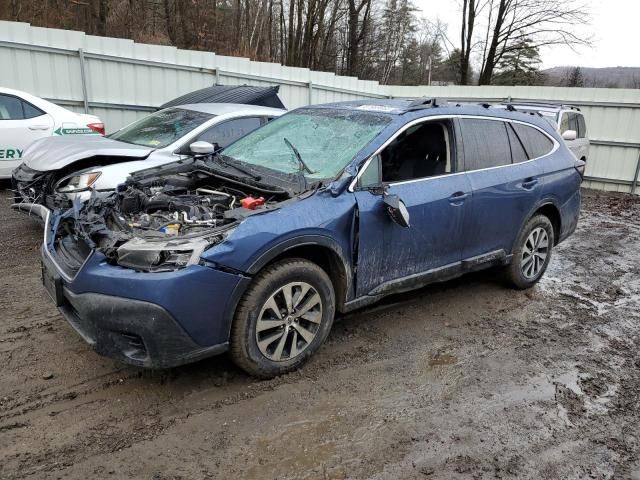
466,379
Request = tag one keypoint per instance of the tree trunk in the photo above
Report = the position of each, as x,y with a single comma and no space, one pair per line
491,59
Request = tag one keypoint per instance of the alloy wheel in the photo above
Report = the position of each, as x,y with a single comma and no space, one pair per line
288,321
534,253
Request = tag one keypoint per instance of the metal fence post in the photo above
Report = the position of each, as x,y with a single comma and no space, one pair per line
310,92
83,78
635,177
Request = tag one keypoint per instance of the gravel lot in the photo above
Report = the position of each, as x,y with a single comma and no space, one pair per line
465,379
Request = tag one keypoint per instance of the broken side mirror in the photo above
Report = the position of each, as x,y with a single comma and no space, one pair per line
397,210
202,148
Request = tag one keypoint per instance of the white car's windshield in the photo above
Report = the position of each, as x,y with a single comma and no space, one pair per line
161,128
326,140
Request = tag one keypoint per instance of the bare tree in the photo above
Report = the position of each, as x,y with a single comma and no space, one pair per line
358,21
538,22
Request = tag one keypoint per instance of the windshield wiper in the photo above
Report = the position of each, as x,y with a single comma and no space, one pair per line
223,162
303,165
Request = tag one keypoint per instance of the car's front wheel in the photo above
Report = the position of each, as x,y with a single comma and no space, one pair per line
283,318
531,253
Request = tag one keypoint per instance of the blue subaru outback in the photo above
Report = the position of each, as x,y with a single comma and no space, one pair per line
254,249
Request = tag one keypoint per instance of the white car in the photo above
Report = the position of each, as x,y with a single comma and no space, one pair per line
25,118
58,170
568,120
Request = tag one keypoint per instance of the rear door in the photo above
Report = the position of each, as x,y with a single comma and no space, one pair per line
420,167
20,124
505,185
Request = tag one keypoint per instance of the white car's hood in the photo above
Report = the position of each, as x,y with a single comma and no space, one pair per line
53,153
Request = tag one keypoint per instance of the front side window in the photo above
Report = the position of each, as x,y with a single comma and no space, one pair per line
161,128
486,143
420,151
536,143
573,123
582,127
326,140
564,123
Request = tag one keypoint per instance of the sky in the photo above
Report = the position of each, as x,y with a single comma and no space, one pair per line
614,26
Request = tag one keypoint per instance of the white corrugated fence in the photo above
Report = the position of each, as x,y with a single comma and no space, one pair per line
120,80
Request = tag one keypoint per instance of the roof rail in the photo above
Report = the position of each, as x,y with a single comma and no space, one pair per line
542,104
424,102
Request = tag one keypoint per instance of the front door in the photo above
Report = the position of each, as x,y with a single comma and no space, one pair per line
419,167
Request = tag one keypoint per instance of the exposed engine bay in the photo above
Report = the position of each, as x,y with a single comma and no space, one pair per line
161,222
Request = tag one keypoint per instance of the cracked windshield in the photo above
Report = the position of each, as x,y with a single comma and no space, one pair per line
325,139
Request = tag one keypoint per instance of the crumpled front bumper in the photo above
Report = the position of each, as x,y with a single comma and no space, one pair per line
154,320
35,187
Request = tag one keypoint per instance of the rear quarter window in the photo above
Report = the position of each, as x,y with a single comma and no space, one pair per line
536,143
31,111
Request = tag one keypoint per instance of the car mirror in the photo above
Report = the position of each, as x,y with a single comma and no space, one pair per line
202,148
397,210
570,135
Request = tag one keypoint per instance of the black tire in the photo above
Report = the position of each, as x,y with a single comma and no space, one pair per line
245,350
515,271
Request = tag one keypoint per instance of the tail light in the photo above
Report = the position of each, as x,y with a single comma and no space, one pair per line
97,127
581,165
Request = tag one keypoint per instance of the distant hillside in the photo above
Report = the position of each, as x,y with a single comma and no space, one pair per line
610,77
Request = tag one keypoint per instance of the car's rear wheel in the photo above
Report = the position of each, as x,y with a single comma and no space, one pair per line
283,318
532,253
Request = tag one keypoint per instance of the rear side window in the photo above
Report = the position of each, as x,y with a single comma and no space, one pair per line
486,143
573,122
518,153
582,127
536,143
13,108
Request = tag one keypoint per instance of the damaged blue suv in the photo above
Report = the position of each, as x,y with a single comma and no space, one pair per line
255,248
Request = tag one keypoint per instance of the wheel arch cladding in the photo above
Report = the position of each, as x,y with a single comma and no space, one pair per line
323,255
552,212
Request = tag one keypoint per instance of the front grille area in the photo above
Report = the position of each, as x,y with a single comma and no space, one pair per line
70,250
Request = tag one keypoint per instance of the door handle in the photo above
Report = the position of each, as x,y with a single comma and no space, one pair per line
38,127
529,183
458,198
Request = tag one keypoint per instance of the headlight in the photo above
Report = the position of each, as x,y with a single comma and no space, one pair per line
78,182
160,256
166,255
